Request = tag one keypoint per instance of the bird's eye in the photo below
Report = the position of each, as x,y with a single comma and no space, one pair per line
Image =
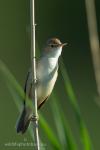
52,45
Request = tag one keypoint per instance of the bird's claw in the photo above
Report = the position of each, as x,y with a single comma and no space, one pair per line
35,118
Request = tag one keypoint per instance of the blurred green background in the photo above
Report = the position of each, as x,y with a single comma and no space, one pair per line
66,20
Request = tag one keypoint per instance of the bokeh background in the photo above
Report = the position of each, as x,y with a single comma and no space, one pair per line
66,20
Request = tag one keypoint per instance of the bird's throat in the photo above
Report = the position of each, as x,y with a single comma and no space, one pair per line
48,63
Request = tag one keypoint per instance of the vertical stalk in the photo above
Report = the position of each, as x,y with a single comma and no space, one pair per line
34,80
94,39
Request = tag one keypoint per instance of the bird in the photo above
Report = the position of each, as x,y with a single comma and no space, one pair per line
46,73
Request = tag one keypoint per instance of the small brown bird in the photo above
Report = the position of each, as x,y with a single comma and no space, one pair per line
47,72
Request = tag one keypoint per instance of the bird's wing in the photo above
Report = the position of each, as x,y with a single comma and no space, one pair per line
28,84
40,103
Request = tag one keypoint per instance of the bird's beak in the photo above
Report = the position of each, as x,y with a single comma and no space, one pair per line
62,45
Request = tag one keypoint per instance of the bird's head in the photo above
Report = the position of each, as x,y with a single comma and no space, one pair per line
54,47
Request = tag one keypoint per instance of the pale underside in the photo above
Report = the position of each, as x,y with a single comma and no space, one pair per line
46,79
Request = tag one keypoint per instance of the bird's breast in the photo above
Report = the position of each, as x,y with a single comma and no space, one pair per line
45,87
47,71
46,67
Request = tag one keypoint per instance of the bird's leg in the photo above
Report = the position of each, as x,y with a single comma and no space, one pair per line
35,118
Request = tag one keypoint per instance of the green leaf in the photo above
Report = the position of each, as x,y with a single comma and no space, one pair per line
64,132
87,144
50,134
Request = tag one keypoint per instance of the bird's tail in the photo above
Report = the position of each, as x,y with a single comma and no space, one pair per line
24,120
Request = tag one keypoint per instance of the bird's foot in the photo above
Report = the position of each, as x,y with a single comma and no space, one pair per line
35,118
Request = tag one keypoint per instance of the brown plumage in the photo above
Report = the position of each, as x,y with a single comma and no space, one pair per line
47,72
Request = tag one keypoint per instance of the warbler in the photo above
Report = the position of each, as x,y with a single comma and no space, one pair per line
46,73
